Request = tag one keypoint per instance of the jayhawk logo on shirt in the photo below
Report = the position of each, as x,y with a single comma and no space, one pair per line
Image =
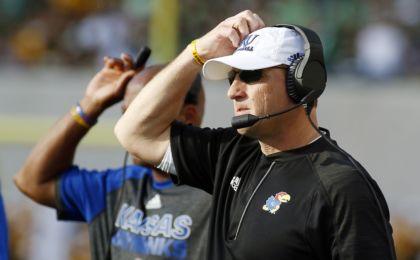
272,204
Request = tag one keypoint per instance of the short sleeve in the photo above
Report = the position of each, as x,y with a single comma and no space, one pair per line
81,194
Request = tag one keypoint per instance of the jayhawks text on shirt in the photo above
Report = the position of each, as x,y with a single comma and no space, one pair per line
164,235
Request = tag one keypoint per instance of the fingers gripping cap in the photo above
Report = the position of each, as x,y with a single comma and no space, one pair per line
264,48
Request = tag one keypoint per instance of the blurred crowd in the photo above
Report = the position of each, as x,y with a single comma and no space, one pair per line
65,32
375,38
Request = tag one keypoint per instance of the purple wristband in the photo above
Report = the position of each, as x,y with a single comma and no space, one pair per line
82,114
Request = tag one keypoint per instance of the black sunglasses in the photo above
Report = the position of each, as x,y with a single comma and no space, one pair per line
248,76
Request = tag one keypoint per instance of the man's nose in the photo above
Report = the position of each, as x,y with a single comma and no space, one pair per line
237,90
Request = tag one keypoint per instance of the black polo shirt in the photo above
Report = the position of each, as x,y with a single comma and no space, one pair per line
306,203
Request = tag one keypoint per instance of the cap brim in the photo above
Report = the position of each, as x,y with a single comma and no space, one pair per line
218,68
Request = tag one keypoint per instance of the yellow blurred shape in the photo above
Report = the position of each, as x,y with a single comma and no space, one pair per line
78,6
164,29
29,44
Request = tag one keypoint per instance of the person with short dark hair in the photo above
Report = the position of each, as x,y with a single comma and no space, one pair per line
282,188
133,211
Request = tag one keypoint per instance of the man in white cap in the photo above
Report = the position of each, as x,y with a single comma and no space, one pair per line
282,189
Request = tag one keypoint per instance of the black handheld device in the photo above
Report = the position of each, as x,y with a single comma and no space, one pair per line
142,56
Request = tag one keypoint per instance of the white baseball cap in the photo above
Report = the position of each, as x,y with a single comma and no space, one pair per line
264,48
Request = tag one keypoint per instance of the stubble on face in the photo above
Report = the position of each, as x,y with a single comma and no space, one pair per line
266,97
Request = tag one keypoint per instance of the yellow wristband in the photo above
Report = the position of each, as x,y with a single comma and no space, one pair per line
79,120
197,57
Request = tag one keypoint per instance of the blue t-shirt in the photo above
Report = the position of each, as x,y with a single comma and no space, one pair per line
4,248
131,216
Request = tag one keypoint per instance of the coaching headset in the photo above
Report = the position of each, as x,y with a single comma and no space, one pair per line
306,74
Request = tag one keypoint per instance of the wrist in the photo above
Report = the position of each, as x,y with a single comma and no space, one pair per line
77,114
85,114
91,108
195,54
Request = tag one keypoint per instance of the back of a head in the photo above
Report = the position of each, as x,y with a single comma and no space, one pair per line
137,83
193,94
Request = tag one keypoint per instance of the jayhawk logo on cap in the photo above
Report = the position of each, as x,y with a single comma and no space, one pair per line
245,44
272,204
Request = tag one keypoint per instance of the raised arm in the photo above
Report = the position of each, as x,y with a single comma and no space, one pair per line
54,153
144,128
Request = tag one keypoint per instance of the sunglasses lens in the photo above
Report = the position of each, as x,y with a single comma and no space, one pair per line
231,76
250,76
247,76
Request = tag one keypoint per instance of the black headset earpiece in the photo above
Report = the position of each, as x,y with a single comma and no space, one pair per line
291,85
306,74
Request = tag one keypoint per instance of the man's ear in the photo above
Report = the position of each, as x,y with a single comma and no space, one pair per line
189,115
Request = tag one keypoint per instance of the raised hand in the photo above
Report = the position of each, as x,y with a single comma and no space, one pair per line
108,86
227,35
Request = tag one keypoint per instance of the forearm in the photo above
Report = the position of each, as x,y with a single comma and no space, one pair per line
50,157
144,128
54,154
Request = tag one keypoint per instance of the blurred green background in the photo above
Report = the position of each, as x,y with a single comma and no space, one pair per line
76,32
